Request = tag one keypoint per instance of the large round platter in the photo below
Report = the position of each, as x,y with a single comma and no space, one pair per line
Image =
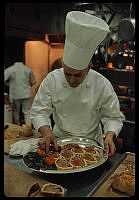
83,142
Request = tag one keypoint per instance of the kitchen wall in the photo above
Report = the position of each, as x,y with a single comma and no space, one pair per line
27,24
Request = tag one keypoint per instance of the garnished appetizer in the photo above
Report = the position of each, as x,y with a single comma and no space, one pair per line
92,149
63,164
78,150
89,158
69,146
78,162
53,154
67,154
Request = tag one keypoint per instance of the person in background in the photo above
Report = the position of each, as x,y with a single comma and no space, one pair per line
79,98
20,79
57,64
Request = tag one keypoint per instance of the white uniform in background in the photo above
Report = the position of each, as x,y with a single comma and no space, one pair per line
77,111
21,79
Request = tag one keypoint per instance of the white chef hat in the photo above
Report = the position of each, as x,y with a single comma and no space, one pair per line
84,32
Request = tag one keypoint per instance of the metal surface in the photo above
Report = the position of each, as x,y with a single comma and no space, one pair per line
82,142
78,184
127,29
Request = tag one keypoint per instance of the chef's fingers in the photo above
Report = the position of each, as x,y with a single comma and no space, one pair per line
106,146
44,143
47,145
112,149
41,144
55,144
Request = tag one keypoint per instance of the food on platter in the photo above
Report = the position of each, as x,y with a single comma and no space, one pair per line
68,157
89,158
37,161
40,151
33,190
124,182
63,164
78,162
91,149
67,154
49,160
53,190
78,150
54,154
70,146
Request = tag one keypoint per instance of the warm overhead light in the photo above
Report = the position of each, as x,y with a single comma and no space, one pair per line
129,67
125,54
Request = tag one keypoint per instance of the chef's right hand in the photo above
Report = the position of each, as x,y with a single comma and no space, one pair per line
48,138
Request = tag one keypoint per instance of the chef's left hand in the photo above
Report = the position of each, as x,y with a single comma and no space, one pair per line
109,143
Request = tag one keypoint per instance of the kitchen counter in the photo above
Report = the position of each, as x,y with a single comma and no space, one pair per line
80,184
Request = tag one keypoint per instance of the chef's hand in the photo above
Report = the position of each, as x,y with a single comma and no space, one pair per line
109,143
48,138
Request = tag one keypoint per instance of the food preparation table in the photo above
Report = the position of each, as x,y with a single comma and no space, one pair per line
80,184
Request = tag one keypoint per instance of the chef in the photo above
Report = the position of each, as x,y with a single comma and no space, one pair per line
79,98
20,79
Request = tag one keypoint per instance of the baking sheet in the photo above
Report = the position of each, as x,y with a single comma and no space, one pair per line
105,190
83,142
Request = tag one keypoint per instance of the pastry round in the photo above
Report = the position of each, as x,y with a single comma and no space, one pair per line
78,162
54,154
77,150
63,164
91,149
89,158
67,154
52,190
70,146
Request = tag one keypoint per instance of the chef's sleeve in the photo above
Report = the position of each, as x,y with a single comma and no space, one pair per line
6,75
32,78
42,105
111,116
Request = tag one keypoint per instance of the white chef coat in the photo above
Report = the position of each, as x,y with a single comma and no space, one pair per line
20,79
77,111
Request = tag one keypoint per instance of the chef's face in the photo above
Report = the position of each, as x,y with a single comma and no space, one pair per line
75,77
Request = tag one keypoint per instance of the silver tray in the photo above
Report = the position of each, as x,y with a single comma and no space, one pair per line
83,142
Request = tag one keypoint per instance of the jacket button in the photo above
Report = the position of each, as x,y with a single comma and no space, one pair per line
64,85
